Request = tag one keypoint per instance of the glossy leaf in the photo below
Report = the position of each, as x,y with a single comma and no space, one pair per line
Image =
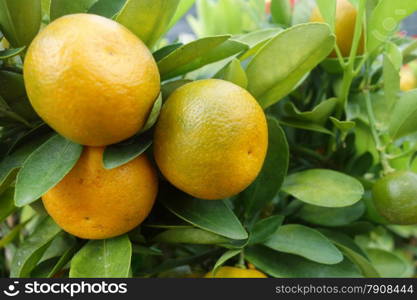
154,114
328,11
148,19
404,115
306,125
391,71
331,216
14,161
120,154
224,258
106,8
33,248
44,168
20,20
318,115
168,88
103,258
198,54
234,73
283,265
343,126
387,263
325,188
164,51
273,172
278,67
190,236
264,228
183,7
61,8
8,53
256,40
213,216
6,204
352,251
384,21
306,242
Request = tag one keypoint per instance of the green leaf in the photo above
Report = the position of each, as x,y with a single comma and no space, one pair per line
404,115
328,11
281,12
331,216
306,242
20,20
120,154
169,87
213,216
197,54
33,248
103,258
285,265
8,53
352,251
234,72
318,115
306,125
273,172
190,236
391,72
343,126
106,8
279,66
164,51
10,165
387,263
264,228
148,19
224,258
6,204
384,21
323,187
256,40
61,8
44,168
10,236
154,114
183,7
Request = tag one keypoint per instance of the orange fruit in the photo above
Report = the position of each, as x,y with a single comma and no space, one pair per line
408,80
95,203
345,26
233,272
211,139
91,79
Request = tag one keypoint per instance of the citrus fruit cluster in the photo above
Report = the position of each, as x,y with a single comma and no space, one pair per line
95,83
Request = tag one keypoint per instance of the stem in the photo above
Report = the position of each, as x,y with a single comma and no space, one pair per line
380,147
241,263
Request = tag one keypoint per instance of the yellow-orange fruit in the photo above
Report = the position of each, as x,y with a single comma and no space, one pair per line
233,272
408,79
91,79
95,203
211,139
345,26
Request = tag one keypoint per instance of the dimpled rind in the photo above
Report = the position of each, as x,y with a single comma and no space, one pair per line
91,79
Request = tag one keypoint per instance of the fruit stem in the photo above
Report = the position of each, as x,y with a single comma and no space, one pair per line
241,263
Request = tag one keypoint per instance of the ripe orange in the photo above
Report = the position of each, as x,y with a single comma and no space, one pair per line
94,203
91,79
211,139
232,272
345,26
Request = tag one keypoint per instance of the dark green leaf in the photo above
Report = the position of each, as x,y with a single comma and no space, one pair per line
210,215
331,216
61,8
33,248
161,53
6,204
154,114
306,242
285,265
106,8
120,154
8,53
20,20
264,228
44,168
224,258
